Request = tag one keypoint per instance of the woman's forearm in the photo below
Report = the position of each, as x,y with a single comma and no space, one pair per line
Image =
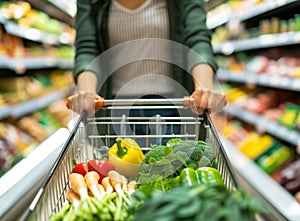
87,81
203,76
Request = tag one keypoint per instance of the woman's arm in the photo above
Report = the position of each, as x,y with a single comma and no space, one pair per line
205,98
201,59
196,35
86,45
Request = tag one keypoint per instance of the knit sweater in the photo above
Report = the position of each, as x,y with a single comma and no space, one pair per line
187,23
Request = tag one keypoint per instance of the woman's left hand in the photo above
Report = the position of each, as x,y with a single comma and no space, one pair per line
207,99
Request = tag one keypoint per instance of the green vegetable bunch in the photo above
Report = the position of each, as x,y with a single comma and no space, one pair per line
201,202
199,154
111,207
177,154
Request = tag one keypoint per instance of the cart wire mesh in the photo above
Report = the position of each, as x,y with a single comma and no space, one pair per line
85,142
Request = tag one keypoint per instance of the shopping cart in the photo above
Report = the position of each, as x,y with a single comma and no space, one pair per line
86,142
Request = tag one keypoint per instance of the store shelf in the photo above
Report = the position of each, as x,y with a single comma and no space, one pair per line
5,111
282,205
65,63
30,63
34,34
33,105
273,81
63,10
21,183
223,18
269,126
263,41
69,7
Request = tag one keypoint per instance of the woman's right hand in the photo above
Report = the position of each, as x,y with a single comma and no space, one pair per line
83,101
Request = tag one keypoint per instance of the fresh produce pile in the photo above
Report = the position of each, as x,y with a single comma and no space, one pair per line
89,200
176,181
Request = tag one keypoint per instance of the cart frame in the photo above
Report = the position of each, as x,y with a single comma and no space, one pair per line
86,143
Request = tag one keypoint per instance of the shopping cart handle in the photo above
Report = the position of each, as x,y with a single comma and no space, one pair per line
99,102
186,101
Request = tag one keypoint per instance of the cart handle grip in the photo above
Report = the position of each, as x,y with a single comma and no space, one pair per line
186,101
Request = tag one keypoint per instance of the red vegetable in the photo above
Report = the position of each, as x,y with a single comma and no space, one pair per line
102,167
81,168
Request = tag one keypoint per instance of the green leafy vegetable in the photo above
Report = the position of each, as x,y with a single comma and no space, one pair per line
198,202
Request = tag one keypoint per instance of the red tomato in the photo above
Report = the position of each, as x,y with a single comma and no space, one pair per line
81,168
102,167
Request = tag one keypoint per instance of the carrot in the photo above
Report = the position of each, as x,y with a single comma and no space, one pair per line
116,182
73,197
91,180
78,185
101,188
107,185
124,183
131,186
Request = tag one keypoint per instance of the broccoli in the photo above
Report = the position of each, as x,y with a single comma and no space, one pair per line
157,153
199,154
209,153
172,142
192,164
198,150
181,155
204,161
168,160
193,149
180,159
158,161
186,146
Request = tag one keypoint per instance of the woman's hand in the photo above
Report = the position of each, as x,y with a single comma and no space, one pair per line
207,99
83,101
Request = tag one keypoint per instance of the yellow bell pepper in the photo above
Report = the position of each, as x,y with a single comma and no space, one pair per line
126,155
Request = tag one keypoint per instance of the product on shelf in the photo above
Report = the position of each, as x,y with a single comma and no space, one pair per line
15,47
290,115
264,150
24,15
274,157
59,111
256,46
14,146
15,90
290,174
255,144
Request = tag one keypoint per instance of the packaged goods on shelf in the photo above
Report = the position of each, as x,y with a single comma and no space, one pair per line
290,115
24,15
14,146
265,151
44,78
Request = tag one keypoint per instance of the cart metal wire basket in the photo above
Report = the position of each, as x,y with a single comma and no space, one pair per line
86,142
